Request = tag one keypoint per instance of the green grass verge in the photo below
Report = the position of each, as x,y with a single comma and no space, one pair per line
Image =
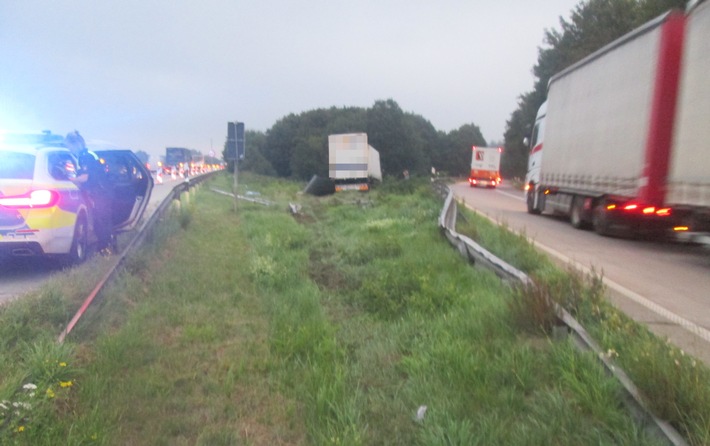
675,386
334,326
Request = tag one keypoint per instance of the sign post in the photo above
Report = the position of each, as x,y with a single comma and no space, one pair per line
235,152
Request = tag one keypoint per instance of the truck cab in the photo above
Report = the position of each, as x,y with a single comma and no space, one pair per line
532,177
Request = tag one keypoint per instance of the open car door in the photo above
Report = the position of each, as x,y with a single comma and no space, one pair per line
132,185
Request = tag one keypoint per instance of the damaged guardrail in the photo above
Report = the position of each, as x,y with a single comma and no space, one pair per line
132,246
480,257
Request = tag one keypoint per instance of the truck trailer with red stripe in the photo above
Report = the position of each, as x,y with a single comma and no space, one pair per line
621,143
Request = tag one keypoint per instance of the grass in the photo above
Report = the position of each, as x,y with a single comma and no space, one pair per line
333,326
674,385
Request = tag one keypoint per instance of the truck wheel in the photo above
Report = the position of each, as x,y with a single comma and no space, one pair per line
600,219
531,202
576,214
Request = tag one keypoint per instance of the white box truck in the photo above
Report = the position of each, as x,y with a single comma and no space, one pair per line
621,143
485,166
352,162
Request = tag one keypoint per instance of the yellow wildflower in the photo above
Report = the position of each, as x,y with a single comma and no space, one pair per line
21,429
50,392
65,383
62,364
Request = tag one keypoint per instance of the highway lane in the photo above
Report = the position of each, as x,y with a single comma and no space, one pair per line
661,284
22,275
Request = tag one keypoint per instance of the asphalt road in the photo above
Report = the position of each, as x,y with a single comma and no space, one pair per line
661,284
22,275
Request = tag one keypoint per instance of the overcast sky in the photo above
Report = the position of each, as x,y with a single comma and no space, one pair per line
147,74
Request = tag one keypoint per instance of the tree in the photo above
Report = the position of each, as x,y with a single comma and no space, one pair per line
425,143
297,145
456,159
279,144
254,160
388,132
310,157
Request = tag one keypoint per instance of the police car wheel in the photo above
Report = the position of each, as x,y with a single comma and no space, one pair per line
80,243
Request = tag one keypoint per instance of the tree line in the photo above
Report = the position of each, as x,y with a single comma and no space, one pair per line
296,146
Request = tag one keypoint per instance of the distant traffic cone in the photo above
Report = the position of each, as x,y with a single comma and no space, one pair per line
159,177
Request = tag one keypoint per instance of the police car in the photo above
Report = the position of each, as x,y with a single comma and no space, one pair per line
44,213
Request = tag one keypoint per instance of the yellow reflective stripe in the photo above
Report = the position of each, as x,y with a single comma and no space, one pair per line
49,218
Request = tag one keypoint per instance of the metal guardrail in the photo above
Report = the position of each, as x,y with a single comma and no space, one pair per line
133,245
481,257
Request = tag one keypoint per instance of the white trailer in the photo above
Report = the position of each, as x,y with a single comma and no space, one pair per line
689,174
352,162
614,122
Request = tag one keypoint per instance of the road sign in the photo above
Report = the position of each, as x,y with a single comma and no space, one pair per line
235,141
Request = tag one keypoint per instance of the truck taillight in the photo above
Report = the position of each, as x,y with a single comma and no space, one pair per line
645,210
36,199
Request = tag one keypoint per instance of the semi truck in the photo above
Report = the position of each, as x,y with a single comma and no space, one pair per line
621,143
352,162
485,166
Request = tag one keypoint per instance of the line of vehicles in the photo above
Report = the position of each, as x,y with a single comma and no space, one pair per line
183,162
180,162
621,143
43,212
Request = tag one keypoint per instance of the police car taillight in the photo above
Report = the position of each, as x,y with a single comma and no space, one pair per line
36,199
